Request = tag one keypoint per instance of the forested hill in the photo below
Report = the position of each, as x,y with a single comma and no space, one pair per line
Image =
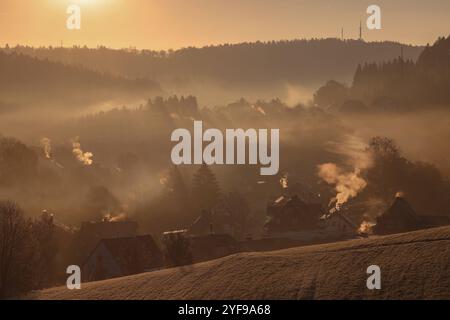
28,80
296,61
405,82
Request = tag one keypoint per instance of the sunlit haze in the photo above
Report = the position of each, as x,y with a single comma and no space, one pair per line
164,24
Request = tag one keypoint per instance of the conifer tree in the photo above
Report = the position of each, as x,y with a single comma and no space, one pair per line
205,189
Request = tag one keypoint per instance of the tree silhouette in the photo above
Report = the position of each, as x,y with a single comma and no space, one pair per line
205,189
18,163
14,253
177,249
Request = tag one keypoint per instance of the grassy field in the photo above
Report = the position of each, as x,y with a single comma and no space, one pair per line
414,265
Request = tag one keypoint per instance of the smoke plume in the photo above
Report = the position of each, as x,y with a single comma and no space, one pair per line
366,227
348,183
284,181
46,147
84,157
119,218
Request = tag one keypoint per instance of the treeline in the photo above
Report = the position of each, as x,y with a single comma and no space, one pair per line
290,61
26,78
399,84
425,82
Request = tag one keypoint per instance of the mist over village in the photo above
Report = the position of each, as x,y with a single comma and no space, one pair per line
241,170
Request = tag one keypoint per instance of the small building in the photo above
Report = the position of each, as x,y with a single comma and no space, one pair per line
118,257
291,214
337,224
228,216
205,246
211,221
401,217
92,232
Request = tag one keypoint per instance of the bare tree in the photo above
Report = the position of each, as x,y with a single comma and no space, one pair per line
13,241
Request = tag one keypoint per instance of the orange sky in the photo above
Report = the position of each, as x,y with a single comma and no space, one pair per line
164,24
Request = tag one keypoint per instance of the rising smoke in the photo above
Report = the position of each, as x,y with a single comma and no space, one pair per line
46,147
84,157
284,180
348,183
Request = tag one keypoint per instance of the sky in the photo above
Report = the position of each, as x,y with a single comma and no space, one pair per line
172,24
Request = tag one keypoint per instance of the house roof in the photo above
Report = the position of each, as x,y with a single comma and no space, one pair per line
400,205
298,204
339,215
132,254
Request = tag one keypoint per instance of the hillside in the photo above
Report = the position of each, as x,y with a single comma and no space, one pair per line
402,83
290,70
296,61
30,82
414,266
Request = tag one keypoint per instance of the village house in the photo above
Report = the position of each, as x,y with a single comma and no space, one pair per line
337,224
118,257
91,233
294,219
401,217
212,221
291,214
205,247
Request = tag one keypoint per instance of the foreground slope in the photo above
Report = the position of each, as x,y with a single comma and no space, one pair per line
414,265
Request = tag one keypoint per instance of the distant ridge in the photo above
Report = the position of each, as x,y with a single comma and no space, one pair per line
315,60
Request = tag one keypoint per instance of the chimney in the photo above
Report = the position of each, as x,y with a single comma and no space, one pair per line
360,30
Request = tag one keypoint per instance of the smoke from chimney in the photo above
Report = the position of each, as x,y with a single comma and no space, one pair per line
84,157
259,109
119,218
400,194
347,183
284,181
46,147
366,227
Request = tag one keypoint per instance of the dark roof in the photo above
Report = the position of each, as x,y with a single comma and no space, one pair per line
203,223
400,217
296,202
401,207
341,216
292,214
133,254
